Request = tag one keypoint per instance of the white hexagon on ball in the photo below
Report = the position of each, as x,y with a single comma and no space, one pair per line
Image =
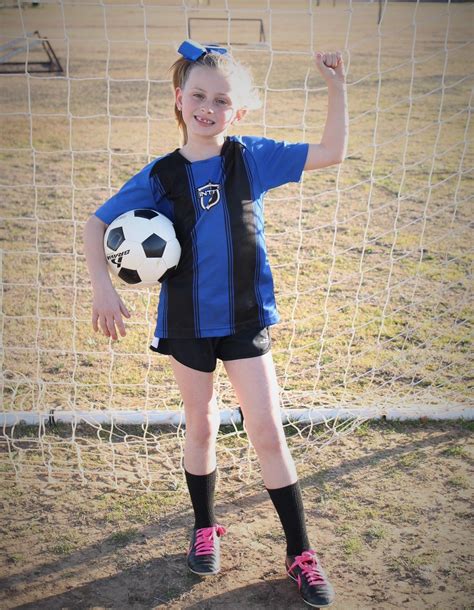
141,247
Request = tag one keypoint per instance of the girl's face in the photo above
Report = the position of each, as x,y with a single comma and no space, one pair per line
208,102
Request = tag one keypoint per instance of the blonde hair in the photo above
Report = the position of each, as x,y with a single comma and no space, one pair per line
181,69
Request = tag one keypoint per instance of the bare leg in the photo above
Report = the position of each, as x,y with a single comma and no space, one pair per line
255,384
202,417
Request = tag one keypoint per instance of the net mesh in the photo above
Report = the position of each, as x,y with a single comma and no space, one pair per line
371,259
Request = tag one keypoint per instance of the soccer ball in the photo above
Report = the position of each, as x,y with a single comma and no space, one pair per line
141,247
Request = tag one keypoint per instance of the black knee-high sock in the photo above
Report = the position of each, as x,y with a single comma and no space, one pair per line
289,505
201,489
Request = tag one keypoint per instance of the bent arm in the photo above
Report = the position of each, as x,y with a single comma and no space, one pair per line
333,147
94,250
107,306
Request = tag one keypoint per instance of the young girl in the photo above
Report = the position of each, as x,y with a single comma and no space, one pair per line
219,301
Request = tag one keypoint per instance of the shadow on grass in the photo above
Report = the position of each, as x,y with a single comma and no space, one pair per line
153,583
140,589
277,594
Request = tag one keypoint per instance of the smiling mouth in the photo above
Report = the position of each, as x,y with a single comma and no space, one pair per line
203,121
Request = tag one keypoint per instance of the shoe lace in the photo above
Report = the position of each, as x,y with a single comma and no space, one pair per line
204,542
310,567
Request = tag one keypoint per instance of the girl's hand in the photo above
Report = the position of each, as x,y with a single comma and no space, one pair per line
107,310
331,67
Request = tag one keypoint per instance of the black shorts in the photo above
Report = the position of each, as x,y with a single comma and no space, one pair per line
201,354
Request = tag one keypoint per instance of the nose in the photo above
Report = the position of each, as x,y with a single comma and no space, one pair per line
207,110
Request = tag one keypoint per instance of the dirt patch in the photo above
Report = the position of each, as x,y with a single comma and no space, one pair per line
388,509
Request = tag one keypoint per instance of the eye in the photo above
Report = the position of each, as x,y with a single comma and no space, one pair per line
222,102
199,96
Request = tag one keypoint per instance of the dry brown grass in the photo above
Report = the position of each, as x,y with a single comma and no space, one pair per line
372,279
372,263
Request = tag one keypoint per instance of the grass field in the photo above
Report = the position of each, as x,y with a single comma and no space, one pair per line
372,263
371,259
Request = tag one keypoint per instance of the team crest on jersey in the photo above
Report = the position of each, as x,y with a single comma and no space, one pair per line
209,195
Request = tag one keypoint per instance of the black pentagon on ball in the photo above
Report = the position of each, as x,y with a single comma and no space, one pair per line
115,238
168,273
154,246
129,275
145,214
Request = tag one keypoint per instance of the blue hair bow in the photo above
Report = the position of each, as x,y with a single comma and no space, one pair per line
193,50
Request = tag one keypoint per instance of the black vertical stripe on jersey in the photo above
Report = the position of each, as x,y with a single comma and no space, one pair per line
180,311
239,198
193,191
258,252
230,274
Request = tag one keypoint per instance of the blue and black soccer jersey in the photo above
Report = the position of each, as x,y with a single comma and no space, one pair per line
223,282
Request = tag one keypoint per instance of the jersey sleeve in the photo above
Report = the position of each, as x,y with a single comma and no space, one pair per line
277,162
139,192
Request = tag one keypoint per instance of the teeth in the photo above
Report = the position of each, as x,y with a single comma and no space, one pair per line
201,120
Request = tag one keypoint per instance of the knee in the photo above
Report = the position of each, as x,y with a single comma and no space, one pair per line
269,439
202,428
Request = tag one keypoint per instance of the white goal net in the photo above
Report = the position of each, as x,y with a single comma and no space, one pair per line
372,258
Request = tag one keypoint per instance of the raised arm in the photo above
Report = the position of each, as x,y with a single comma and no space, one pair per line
107,306
333,146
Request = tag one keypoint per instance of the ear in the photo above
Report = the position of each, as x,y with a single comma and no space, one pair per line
239,115
178,97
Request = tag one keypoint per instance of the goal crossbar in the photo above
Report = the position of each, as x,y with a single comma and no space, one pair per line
207,19
234,416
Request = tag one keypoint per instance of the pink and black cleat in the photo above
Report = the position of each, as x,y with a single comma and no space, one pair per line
313,584
203,556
